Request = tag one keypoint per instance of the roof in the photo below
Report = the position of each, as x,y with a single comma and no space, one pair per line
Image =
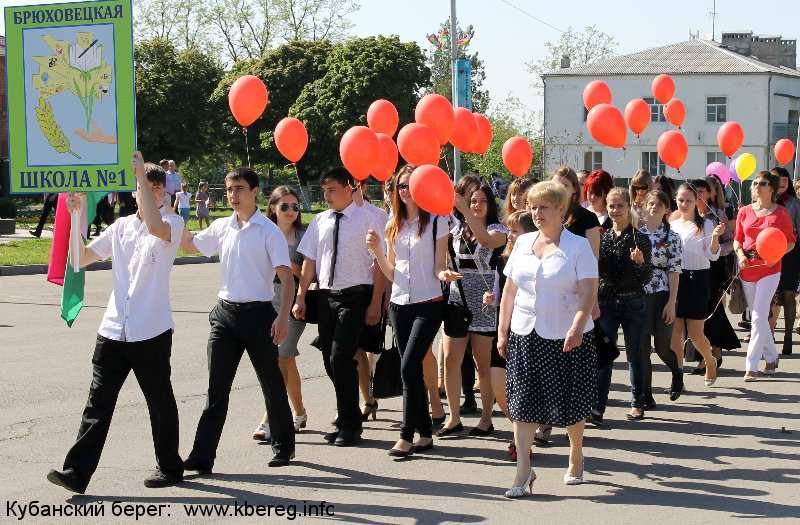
692,56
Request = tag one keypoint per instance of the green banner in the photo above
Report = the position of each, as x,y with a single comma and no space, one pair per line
71,98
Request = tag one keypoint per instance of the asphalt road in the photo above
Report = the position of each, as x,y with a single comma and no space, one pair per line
726,454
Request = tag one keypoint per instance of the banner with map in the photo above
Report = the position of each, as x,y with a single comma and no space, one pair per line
71,97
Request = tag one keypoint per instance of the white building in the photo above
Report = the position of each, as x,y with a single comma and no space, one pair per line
749,79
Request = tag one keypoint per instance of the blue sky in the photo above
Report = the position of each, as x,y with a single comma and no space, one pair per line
505,38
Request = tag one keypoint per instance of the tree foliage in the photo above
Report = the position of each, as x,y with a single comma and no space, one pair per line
586,47
173,116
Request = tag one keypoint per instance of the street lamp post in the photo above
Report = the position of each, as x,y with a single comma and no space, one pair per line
454,75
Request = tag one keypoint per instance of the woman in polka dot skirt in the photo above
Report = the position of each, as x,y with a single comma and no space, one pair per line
545,332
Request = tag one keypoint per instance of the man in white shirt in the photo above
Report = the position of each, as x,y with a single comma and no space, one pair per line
336,255
252,249
135,333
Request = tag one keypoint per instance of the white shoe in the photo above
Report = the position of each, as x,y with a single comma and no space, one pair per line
300,422
577,479
518,492
262,433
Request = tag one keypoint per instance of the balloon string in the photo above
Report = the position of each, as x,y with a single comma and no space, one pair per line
246,145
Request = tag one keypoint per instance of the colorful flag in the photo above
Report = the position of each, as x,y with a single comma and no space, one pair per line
59,270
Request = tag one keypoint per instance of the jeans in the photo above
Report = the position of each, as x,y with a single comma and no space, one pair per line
661,332
234,329
759,296
184,212
111,363
341,320
415,327
626,311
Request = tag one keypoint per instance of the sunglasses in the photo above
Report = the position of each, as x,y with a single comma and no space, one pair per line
760,183
639,188
402,186
285,206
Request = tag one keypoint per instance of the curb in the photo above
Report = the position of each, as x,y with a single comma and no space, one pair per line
38,269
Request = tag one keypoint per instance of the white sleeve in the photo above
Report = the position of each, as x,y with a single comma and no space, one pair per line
585,262
310,241
102,246
207,241
278,248
175,229
441,227
708,234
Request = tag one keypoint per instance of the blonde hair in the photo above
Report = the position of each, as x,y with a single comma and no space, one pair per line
642,177
625,195
521,219
550,191
522,184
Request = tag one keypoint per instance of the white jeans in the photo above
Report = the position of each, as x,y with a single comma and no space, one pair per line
759,296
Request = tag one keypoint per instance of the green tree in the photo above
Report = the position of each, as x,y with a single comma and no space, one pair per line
173,116
438,59
359,71
586,47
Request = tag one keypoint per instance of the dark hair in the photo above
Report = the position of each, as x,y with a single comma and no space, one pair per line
155,173
640,178
461,186
400,212
492,216
162,162
244,173
668,187
664,199
783,172
697,219
774,182
276,195
338,174
716,185
574,202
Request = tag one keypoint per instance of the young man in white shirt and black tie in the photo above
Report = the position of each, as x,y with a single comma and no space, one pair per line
252,250
135,333
336,256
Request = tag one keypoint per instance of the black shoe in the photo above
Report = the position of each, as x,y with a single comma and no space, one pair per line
699,370
69,479
595,418
331,436
35,233
650,404
438,420
198,466
450,431
630,416
676,389
397,453
158,479
469,407
477,431
280,459
787,349
423,448
347,439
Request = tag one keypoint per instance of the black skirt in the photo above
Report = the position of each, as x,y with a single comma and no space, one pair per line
790,270
694,293
718,328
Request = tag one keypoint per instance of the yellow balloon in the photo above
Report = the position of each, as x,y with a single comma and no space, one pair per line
745,166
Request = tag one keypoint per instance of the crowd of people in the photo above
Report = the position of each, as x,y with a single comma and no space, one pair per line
529,292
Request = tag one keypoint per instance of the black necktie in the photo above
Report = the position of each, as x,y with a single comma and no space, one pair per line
335,247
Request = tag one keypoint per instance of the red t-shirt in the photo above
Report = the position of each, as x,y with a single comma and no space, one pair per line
748,226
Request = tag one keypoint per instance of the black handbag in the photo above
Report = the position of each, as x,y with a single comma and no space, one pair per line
386,381
607,350
457,317
315,300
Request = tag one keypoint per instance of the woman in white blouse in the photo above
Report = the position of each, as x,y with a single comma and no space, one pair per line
699,246
545,331
415,308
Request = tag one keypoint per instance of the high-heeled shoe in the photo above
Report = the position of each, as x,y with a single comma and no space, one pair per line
710,381
370,409
576,479
438,420
519,491
676,389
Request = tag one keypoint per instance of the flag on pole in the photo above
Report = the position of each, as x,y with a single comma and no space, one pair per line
59,271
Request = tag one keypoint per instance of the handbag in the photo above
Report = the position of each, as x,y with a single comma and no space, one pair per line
607,350
386,381
456,318
315,300
737,303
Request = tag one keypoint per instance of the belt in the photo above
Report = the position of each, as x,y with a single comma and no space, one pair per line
231,305
349,290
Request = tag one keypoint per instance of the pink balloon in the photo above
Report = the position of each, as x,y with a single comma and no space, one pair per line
719,170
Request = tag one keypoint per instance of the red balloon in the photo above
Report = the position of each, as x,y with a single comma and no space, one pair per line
637,115
606,125
358,150
730,137
596,92
436,112
432,189
382,117
484,140
418,144
672,148
517,156
465,131
247,98
675,111
663,88
387,158
784,151
771,245
291,138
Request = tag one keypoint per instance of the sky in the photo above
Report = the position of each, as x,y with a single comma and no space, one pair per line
506,38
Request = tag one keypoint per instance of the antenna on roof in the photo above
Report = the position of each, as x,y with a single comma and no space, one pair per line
713,14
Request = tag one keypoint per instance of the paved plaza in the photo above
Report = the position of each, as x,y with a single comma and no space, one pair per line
726,454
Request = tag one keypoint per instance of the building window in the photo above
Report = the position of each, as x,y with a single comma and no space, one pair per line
656,110
593,160
716,156
716,109
653,164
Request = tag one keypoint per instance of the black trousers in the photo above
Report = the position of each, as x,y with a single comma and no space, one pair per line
415,327
50,201
662,334
236,327
111,363
341,320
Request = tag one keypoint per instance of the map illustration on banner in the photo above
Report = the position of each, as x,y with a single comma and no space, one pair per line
75,127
